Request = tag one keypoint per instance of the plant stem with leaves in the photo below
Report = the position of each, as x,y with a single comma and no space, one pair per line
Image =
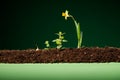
77,25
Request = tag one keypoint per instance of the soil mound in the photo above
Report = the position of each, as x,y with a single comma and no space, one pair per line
68,55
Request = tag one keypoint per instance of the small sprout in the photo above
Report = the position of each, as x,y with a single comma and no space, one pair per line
59,41
37,49
77,25
47,44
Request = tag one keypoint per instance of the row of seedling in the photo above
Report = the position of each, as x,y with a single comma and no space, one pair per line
60,40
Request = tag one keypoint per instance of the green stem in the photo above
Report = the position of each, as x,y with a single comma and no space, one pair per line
79,34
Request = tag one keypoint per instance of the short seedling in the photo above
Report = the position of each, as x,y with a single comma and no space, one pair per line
59,41
47,44
79,33
37,49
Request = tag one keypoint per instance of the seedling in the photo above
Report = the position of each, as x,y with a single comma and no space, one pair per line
47,44
59,41
37,49
77,25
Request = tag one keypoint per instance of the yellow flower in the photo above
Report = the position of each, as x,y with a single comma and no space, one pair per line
65,14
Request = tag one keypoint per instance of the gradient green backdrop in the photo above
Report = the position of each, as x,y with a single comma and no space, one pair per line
27,22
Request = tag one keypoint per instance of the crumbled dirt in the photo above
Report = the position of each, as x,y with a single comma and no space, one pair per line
68,55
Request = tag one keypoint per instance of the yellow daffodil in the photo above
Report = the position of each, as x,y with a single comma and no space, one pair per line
65,14
77,25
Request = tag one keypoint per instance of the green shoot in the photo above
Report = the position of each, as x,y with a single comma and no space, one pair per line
77,25
59,41
37,49
47,44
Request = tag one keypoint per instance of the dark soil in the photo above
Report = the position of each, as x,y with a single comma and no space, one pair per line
69,55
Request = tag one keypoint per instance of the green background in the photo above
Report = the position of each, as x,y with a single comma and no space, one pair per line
26,23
